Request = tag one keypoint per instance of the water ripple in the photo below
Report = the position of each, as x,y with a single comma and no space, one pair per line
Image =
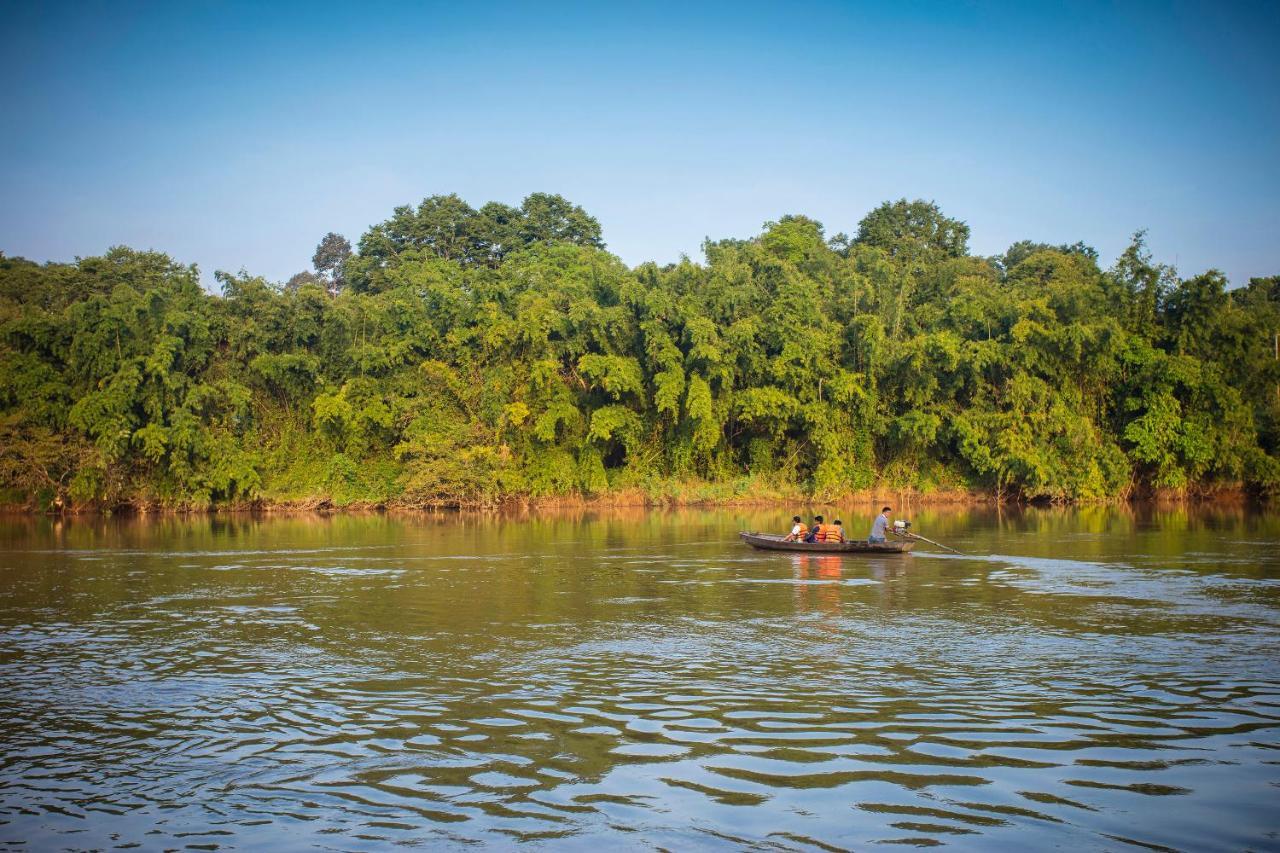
359,698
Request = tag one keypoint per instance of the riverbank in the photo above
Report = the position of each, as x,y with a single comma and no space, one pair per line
692,496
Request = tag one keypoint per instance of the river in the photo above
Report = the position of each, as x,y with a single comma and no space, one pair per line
1095,678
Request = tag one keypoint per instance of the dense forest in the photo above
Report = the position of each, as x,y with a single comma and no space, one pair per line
460,356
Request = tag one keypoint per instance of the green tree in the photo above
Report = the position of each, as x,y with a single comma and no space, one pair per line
330,260
550,219
914,229
496,354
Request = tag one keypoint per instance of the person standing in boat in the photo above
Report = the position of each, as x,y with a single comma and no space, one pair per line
880,526
798,530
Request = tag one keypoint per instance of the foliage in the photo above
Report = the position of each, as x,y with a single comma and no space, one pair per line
330,260
913,228
471,356
449,228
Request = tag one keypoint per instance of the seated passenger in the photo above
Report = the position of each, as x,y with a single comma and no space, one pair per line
839,525
830,533
798,530
813,531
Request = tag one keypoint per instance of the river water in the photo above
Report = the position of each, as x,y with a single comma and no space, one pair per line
1102,678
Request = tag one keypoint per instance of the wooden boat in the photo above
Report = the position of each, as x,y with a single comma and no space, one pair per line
774,542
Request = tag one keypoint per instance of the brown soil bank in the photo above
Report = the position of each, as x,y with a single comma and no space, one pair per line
638,498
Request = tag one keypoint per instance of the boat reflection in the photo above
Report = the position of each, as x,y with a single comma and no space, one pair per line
818,586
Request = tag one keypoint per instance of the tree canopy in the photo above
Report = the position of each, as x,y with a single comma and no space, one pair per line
461,356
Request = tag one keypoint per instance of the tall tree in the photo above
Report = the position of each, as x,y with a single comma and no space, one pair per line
330,260
914,229
1146,284
495,233
554,219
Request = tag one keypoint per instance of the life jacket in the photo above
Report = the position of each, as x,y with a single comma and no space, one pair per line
828,533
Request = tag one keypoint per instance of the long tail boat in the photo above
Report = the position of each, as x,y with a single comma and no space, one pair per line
775,542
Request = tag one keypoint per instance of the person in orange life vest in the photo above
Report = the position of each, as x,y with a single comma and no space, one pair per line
798,530
830,533
813,531
839,526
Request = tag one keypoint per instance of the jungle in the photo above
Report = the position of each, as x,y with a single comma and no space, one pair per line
458,356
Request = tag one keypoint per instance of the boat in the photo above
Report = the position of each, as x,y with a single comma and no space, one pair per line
776,542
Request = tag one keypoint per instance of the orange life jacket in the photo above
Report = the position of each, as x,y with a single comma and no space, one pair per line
829,533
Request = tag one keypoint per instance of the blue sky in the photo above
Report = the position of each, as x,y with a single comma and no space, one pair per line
235,135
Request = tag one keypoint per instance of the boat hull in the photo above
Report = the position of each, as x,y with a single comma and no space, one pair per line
774,542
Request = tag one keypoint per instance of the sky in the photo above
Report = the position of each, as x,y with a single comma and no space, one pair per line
235,135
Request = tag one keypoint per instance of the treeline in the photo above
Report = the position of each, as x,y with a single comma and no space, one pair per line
460,356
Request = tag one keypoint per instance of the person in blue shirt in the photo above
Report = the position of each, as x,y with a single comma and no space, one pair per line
880,526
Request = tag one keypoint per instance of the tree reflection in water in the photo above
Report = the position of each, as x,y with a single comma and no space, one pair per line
639,679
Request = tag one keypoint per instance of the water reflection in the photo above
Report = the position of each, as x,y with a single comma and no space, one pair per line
639,680
817,582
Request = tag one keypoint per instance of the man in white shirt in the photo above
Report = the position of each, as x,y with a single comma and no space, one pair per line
798,530
880,526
